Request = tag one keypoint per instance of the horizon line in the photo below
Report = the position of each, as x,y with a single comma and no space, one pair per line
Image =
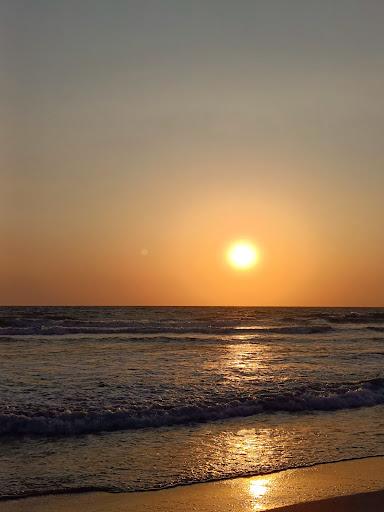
177,306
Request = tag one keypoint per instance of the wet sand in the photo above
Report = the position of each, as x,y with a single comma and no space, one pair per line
338,487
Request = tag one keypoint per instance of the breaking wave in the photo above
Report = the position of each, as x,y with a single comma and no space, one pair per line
67,423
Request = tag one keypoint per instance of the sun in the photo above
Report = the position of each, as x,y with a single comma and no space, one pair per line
242,255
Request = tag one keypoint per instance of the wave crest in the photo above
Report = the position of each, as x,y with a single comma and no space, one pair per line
58,423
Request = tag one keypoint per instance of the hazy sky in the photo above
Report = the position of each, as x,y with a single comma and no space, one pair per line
140,138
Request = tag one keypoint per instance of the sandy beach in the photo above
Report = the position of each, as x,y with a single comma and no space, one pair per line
356,485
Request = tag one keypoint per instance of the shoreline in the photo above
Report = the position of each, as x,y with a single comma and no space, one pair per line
302,489
110,490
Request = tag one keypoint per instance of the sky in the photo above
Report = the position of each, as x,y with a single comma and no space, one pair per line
139,139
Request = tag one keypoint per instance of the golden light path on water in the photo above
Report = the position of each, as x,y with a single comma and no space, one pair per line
265,444
257,489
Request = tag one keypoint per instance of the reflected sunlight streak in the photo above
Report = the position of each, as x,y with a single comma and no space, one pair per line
257,489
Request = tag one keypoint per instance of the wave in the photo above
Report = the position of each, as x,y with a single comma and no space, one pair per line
213,330
375,328
45,321
299,329
320,398
356,317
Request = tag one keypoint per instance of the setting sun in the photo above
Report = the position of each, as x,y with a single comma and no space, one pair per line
242,255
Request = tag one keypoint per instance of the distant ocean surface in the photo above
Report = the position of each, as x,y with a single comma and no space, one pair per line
126,398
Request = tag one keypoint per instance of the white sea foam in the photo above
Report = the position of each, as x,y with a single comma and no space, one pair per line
67,423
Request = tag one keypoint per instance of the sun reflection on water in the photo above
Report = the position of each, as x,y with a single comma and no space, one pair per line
257,489
245,361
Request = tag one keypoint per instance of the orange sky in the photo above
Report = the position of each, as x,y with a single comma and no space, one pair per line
141,141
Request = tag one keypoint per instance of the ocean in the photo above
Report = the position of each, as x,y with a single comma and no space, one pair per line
135,398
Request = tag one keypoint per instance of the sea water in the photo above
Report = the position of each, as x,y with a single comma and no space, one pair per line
132,398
